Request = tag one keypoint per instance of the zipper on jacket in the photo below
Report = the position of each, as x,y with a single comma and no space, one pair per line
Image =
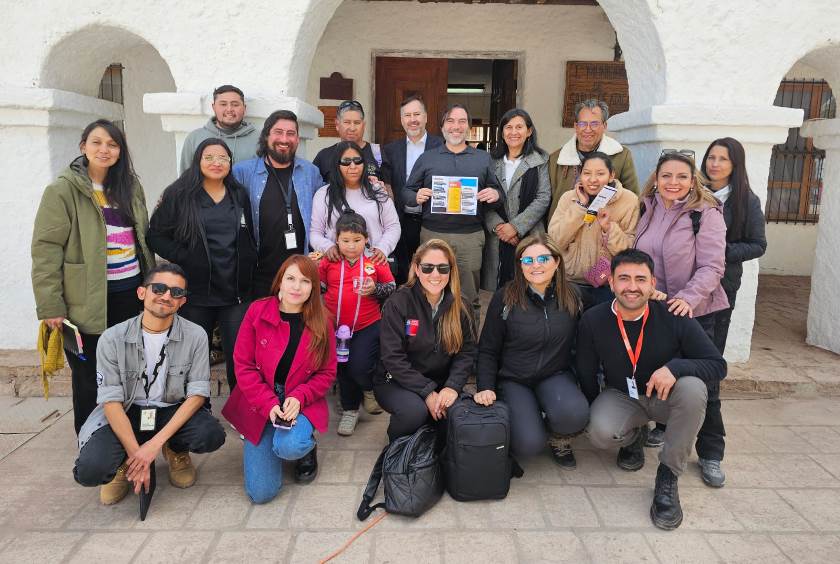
546,333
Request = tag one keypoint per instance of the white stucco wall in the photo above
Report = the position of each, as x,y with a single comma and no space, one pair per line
790,249
542,38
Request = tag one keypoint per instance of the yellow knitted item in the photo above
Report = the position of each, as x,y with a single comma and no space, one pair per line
51,349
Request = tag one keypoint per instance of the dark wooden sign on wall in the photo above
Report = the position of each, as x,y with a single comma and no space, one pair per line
604,80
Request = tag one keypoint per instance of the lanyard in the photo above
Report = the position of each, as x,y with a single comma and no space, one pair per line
341,293
634,356
287,193
161,358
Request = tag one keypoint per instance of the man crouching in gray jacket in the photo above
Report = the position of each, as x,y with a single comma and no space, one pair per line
153,375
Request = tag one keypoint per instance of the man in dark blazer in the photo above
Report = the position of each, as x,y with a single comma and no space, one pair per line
400,157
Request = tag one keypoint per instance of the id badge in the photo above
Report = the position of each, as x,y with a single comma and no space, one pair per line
291,239
632,389
147,419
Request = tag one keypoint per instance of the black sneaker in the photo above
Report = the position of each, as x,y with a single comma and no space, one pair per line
665,511
561,451
307,467
656,438
632,457
713,475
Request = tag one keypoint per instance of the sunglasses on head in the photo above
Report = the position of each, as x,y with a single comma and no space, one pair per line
347,161
427,268
160,289
350,104
684,152
539,259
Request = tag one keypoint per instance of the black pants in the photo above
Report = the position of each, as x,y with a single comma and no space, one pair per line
408,243
711,441
229,319
558,397
408,411
121,306
591,296
356,375
103,454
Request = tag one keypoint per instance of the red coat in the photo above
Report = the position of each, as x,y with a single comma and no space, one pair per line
262,340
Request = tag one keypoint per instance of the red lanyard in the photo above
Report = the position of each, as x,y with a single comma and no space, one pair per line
634,357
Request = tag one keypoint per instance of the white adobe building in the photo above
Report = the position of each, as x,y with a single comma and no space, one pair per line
697,70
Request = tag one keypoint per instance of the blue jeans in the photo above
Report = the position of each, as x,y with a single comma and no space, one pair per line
263,463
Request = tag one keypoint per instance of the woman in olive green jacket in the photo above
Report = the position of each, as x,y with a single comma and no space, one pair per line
89,250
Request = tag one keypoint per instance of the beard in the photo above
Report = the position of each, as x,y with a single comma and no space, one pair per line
281,158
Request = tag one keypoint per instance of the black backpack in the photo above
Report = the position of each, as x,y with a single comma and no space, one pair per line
477,461
410,468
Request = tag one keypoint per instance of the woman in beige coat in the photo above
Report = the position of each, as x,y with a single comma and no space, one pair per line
588,247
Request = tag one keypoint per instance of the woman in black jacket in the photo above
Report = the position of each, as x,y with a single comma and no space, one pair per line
427,342
203,224
525,353
724,164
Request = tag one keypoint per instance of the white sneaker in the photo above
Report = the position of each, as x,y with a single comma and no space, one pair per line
347,423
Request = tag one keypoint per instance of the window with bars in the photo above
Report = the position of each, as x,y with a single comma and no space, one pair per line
111,87
794,187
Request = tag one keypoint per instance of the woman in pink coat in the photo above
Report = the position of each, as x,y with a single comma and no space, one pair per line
285,364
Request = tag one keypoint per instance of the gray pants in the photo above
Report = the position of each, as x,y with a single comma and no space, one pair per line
614,417
469,249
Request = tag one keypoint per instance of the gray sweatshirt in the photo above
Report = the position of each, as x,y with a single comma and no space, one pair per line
242,142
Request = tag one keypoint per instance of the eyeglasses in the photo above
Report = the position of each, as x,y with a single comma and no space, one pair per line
221,159
427,268
591,124
539,259
347,161
350,104
160,289
684,152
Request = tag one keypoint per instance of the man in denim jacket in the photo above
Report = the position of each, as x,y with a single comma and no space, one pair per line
153,375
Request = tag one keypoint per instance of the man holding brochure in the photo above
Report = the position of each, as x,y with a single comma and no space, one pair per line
455,184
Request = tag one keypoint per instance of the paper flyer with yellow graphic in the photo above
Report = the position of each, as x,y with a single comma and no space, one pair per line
457,195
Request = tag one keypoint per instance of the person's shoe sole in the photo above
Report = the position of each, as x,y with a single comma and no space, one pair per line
653,442
629,468
665,525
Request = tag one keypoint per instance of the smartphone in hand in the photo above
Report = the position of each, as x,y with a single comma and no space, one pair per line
282,424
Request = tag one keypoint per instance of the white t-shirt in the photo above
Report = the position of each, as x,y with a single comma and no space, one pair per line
152,343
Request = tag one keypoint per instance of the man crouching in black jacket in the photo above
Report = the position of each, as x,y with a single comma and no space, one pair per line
427,342
656,367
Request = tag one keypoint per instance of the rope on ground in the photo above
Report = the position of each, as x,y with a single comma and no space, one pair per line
352,539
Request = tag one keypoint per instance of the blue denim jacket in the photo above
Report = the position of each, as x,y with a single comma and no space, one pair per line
306,179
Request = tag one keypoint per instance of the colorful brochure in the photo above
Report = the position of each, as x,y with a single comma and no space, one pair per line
455,195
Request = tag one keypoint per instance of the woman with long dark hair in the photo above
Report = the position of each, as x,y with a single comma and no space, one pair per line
522,168
285,359
89,250
352,190
525,353
203,224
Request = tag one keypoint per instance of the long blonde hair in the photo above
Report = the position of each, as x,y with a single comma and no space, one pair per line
698,194
451,335
516,289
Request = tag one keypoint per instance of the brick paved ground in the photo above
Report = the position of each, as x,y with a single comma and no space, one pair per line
781,503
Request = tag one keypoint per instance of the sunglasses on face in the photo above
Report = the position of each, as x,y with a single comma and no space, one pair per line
684,152
159,288
347,161
539,259
427,268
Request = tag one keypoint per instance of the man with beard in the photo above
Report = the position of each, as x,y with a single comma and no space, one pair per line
464,233
656,367
281,186
153,376
227,124
350,123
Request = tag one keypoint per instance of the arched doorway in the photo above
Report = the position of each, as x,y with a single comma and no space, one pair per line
77,64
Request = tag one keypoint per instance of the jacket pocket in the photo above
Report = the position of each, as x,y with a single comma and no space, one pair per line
75,283
176,383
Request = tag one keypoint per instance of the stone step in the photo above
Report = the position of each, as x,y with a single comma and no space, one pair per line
20,377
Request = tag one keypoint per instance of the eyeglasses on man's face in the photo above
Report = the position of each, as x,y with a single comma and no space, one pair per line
595,124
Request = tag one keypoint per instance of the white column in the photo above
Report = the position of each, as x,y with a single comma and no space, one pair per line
824,304
758,128
40,131
182,112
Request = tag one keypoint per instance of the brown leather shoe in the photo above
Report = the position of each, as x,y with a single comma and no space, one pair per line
182,473
116,489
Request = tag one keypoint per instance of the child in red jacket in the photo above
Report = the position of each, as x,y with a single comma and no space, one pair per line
353,289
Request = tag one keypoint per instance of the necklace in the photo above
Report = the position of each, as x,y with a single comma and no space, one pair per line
151,330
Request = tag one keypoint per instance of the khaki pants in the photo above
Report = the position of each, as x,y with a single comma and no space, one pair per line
614,417
469,248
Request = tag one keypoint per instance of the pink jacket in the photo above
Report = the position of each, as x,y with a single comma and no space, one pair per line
693,265
262,340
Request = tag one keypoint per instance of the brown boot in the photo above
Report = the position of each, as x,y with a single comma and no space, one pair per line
116,489
182,473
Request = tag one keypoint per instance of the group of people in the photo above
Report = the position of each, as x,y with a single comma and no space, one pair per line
603,318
